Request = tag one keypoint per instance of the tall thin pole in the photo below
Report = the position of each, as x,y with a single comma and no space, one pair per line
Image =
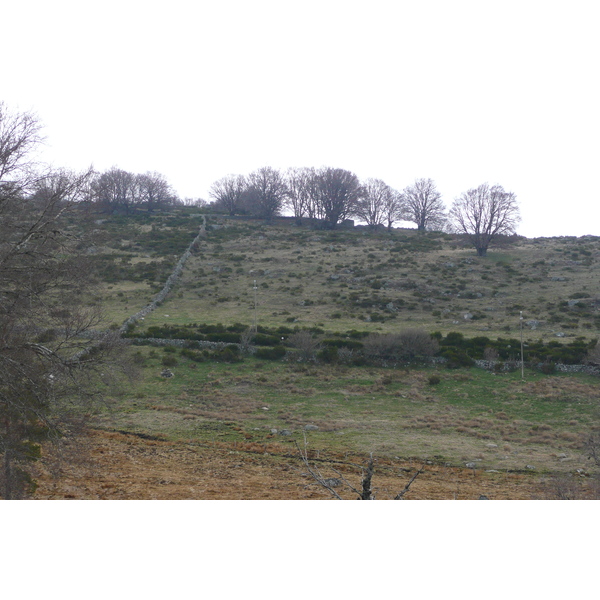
255,319
522,362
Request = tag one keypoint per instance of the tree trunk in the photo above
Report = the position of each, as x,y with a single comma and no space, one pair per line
367,493
481,251
7,492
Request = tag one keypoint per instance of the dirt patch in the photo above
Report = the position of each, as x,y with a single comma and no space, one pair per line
114,465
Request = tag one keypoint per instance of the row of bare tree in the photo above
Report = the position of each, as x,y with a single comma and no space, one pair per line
122,192
333,195
330,195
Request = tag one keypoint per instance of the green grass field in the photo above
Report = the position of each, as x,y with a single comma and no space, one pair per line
495,421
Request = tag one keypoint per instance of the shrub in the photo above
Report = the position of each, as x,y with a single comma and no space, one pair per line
274,353
169,361
229,354
456,358
306,344
433,380
329,354
406,345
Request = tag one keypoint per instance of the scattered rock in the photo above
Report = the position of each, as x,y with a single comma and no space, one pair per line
311,428
167,373
531,467
332,482
491,445
285,432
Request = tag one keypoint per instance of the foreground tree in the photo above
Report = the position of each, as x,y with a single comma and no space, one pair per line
44,356
484,213
339,484
423,205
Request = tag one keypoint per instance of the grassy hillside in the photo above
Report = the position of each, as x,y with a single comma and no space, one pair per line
344,282
350,280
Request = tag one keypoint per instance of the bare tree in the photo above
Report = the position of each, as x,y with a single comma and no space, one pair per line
20,135
377,204
116,190
484,213
228,192
337,192
300,183
44,353
423,205
154,191
394,209
339,482
306,344
265,193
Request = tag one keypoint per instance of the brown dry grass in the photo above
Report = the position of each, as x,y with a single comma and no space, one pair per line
117,466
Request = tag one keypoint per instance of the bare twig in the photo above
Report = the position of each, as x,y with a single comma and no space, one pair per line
401,494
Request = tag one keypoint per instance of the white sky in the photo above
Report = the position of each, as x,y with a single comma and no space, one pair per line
460,91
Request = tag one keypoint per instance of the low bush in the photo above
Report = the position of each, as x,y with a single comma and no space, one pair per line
273,353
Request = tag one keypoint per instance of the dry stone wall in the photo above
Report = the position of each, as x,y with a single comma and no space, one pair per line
171,281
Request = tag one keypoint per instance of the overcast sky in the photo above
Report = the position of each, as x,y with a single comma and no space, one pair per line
463,92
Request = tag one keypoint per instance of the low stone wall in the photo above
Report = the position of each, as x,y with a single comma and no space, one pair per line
180,343
490,365
173,277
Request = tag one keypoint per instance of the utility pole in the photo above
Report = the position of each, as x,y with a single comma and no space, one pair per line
522,362
255,326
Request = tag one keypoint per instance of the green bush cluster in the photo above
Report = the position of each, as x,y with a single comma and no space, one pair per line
462,351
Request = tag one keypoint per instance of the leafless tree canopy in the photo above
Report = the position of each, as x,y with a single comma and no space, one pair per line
265,193
228,193
337,192
154,191
300,192
117,190
484,213
379,204
423,205
20,135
